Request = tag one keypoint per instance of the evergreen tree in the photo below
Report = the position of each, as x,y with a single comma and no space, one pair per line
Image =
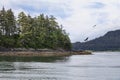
37,32
23,22
3,21
7,28
10,24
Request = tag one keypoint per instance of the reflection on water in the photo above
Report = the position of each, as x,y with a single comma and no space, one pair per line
100,66
32,59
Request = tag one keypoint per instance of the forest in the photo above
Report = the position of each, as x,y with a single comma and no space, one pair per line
25,31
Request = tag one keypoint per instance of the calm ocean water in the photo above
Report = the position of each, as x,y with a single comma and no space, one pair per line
99,66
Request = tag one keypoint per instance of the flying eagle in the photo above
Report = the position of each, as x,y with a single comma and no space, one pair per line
86,39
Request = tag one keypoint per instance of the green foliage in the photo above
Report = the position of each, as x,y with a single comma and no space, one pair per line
31,32
7,28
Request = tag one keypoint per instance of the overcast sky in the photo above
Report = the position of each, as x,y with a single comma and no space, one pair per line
77,16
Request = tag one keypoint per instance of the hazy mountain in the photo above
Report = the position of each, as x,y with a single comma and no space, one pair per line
110,41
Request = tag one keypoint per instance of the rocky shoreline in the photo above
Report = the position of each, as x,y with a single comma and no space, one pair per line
42,53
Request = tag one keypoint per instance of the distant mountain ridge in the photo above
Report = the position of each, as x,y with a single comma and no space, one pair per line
110,41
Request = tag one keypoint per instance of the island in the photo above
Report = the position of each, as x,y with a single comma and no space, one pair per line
25,35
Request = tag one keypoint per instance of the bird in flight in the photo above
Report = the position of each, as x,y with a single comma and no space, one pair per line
86,39
94,26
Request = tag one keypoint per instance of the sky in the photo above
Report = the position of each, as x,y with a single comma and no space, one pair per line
78,17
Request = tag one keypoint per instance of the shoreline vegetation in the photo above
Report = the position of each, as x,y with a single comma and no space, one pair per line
41,53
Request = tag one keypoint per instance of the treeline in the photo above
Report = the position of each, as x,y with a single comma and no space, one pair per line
31,32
